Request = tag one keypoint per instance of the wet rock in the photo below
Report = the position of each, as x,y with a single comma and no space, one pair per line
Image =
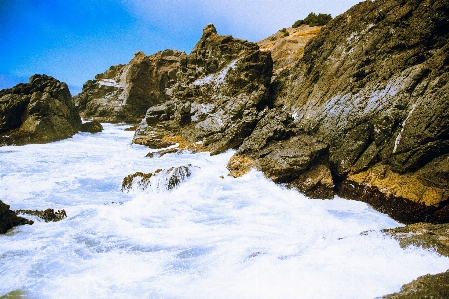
427,286
425,235
239,165
160,179
219,92
40,111
316,182
125,92
92,127
9,219
48,215
428,236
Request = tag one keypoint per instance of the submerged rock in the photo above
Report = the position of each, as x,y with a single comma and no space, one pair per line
221,87
93,126
48,215
9,219
429,236
427,286
161,179
40,111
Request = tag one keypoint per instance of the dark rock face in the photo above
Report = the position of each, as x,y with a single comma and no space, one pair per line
221,87
92,127
125,92
374,86
37,112
9,219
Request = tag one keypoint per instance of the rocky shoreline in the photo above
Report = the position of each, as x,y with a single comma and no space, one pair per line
361,111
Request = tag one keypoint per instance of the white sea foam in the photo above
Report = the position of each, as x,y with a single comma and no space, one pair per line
210,237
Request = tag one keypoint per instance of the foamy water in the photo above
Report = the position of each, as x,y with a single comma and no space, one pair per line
211,237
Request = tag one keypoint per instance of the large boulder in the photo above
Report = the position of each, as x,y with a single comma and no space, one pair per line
40,111
125,92
221,87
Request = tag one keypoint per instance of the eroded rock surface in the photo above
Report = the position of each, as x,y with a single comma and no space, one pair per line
221,87
374,86
125,92
93,126
40,111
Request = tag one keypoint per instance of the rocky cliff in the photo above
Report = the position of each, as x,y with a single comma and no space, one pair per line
37,112
373,86
222,86
125,92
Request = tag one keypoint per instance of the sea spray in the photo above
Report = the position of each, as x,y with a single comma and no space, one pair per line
213,236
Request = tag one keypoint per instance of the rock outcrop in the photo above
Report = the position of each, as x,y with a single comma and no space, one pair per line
40,111
125,92
93,126
159,180
432,237
222,86
374,86
9,219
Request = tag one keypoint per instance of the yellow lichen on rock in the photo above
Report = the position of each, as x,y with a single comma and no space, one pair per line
408,186
239,165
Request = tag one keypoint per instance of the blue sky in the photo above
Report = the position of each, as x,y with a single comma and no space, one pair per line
73,40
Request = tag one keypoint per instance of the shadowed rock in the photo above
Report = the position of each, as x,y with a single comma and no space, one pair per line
9,219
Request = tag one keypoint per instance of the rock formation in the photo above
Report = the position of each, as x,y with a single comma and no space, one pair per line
373,85
92,126
222,86
37,112
125,92
9,219
160,179
429,236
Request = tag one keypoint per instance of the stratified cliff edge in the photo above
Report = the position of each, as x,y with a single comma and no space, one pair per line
125,92
373,86
222,86
40,111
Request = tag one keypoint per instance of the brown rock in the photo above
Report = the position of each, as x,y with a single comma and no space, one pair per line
37,112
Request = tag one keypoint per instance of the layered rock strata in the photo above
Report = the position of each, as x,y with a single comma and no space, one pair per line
222,86
374,86
40,111
125,92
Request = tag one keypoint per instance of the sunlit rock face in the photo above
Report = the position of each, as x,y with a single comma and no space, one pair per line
374,85
125,92
40,111
222,86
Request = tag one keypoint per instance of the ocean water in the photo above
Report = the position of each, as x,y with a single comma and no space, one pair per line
211,237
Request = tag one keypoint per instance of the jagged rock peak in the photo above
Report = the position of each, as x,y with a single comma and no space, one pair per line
209,30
